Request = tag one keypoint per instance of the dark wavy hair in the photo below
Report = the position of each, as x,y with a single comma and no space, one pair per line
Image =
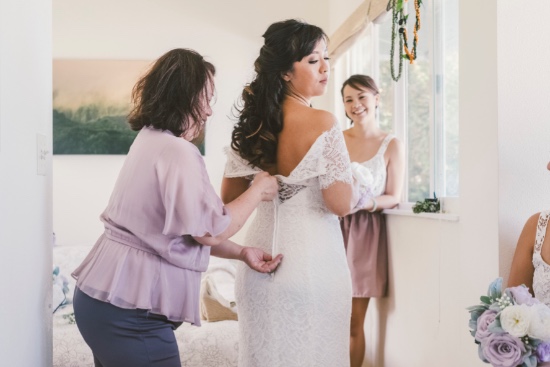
359,81
255,135
170,95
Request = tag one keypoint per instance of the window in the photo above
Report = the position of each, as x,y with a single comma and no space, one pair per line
422,108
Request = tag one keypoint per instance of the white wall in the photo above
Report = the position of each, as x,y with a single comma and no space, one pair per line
478,134
25,197
228,33
418,323
523,112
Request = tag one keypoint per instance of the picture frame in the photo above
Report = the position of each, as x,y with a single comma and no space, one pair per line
91,102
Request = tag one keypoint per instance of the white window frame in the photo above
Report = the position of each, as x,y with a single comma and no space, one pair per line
432,18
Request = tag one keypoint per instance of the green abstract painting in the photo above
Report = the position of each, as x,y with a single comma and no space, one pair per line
91,101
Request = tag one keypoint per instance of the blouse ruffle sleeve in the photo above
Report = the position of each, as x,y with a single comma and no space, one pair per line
334,162
191,203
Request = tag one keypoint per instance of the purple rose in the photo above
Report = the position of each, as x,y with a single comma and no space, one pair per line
503,350
483,323
543,352
521,296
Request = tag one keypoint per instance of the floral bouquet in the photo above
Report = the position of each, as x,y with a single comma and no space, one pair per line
365,178
512,328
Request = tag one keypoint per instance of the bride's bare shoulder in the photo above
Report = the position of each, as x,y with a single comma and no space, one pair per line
323,120
311,120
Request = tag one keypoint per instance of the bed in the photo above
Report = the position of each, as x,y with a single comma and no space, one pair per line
214,344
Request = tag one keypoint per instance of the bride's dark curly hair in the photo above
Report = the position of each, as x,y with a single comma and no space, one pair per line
260,120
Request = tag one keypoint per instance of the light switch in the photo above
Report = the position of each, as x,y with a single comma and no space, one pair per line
42,153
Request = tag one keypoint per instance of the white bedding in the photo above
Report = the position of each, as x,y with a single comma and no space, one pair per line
214,344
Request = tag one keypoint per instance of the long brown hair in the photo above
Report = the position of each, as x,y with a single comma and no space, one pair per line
171,94
260,120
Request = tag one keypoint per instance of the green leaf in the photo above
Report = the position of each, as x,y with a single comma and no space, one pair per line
486,300
477,309
399,5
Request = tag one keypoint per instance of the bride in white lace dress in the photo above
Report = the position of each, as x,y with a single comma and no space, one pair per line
299,315
531,264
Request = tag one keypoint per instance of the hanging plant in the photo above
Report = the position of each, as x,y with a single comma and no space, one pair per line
399,26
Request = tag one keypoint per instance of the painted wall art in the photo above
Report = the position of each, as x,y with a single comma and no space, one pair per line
91,101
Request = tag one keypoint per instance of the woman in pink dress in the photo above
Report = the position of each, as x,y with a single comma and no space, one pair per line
379,157
141,279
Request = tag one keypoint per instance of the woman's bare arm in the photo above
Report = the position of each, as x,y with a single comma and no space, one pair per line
255,258
522,269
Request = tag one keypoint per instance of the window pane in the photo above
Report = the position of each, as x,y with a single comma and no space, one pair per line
361,54
450,97
419,99
385,83
423,106
357,60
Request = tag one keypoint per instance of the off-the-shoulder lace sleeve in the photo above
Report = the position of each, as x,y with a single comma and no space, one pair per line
335,160
236,166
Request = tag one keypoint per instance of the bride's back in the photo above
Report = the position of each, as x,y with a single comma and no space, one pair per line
302,125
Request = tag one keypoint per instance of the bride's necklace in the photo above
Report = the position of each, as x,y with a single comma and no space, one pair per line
298,98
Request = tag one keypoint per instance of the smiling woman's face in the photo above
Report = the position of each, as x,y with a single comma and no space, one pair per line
360,104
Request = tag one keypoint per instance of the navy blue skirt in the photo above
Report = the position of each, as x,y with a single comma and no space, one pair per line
121,337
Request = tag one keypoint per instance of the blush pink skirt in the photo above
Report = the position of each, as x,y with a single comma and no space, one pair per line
367,252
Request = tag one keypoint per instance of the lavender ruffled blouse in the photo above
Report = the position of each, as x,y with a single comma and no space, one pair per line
146,258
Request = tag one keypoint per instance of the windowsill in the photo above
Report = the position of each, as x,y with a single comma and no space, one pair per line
434,216
449,205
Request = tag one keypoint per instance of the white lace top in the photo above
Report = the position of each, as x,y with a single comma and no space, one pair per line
541,277
377,167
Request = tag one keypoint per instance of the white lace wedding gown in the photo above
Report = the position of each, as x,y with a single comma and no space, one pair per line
300,315
541,276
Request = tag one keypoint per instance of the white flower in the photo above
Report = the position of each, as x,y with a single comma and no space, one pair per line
516,319
539,328
362,174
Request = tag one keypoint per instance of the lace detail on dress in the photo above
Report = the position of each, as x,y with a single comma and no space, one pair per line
302,309
288,191
541,276
327,160
236,166
334,159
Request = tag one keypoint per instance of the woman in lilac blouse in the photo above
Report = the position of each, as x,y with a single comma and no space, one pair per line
141,279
